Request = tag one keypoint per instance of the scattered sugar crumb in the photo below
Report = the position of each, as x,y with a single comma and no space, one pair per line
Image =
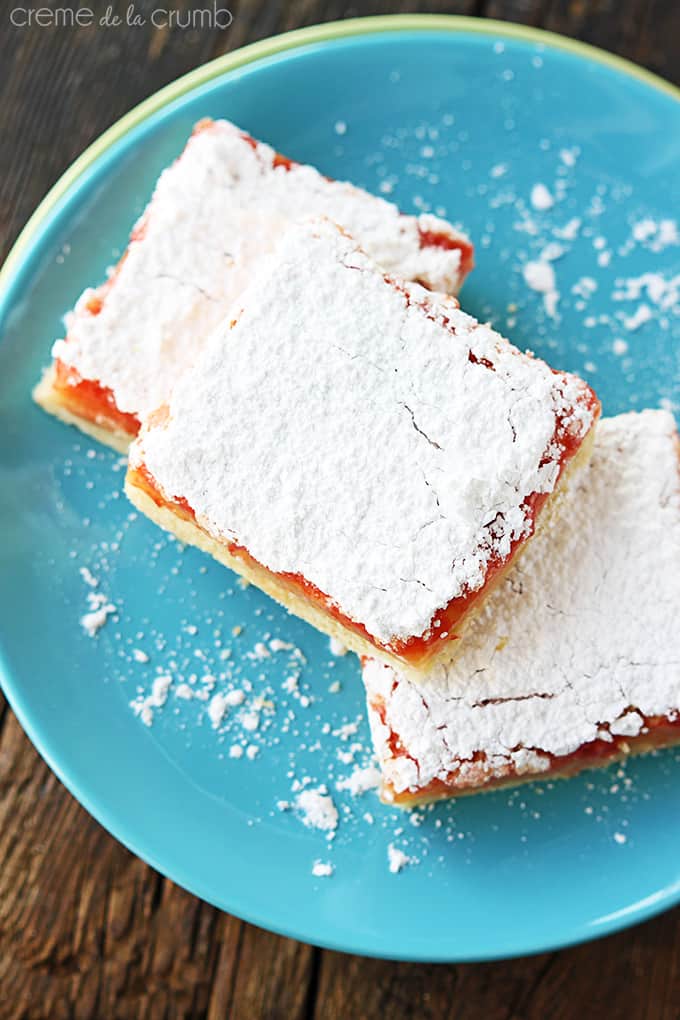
217,709
346,731
234,698
569,156
620,838
620,347
250,721
277,645
259,652
337,648
321,869
539,275
340,127
397,859
639,318
317,809
252,751
93,621
143,706
541,198
89,578
139,656
569,232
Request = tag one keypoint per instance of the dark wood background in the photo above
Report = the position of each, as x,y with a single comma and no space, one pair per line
87,930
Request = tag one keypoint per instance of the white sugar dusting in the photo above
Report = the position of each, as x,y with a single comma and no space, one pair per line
99,610
317,809
397,859
414,464
541,198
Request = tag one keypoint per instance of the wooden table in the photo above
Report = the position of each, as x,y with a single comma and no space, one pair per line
86,929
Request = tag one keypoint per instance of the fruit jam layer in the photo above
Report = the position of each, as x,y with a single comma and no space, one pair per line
92,402
415,651
661,731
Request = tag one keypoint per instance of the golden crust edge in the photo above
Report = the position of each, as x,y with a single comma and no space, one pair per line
46,395
191,534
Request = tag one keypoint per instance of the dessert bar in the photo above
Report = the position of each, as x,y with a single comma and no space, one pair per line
575,659
215,210
361,449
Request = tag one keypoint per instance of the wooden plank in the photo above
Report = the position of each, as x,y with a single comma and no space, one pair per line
637,29
88,930
61,88
632,974
257,19
525,12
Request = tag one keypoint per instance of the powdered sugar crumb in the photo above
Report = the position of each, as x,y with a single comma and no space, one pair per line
99,611
317,809
336,647
541,198
217,709
397,860
144,705
540,276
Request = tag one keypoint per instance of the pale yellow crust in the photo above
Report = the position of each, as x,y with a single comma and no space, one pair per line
190,533
46,395
640,745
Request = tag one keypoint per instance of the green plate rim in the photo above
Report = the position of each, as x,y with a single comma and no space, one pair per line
303,37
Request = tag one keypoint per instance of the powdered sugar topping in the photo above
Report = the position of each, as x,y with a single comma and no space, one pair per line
391,472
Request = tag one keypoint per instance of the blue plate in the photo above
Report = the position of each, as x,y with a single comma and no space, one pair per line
464,118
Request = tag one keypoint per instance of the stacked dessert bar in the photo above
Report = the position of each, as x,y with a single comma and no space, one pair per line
307,402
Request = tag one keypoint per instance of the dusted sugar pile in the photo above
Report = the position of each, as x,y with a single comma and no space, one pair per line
366,437
576,659
221,204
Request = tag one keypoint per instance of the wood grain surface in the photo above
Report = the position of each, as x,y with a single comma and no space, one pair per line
87,930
